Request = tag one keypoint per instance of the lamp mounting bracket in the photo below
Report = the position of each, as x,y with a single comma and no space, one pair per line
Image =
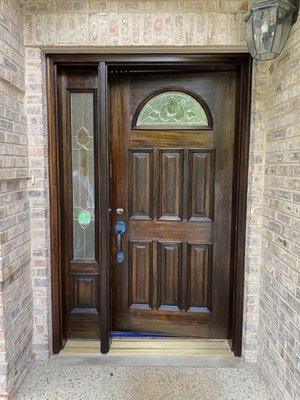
296,3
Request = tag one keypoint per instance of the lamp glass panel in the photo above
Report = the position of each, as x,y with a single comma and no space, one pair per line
282,30
249,36
264,26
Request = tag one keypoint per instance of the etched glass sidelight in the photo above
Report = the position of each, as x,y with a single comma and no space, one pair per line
173,109
82,130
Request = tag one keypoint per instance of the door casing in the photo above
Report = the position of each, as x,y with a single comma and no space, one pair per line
243,65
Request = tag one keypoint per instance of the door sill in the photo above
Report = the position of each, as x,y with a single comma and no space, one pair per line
187,347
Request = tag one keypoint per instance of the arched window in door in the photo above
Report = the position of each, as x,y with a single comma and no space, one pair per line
173,109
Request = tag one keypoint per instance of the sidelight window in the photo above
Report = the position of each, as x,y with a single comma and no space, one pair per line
82,129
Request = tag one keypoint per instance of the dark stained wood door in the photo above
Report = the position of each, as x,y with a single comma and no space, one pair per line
173,175
79,173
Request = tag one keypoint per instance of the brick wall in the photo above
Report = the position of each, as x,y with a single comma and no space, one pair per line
279,322
15,276
102,24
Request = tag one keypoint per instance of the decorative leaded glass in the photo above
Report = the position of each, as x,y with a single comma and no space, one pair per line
172,109
82,129
82,137
84,218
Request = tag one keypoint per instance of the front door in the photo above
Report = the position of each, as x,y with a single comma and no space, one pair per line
148,172
172,178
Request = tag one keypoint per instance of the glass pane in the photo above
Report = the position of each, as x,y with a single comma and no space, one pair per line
174,109
82,129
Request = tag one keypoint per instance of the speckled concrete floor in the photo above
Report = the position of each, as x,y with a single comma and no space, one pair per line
52,381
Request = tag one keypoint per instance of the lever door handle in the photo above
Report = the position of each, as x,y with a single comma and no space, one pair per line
120,229
119,242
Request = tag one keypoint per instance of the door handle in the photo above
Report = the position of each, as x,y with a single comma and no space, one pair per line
120,229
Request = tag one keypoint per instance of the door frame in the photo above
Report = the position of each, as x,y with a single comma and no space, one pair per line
210,62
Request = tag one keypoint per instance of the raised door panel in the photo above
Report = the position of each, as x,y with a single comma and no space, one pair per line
85,288
170,185
199,270
84,305
169,275
141,184
140,275
201,190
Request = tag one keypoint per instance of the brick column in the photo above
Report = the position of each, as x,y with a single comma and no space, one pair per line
36,110
254,210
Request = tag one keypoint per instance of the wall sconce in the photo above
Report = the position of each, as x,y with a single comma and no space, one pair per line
268,24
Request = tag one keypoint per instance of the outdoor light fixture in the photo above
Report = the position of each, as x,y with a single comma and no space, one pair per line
268,26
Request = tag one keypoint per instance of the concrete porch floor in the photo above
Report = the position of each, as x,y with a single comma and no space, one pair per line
139,378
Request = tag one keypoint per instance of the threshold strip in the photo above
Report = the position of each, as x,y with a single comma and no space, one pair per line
129,346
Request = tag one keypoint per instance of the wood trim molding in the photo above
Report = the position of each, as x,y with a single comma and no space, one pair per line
242,164
54,208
